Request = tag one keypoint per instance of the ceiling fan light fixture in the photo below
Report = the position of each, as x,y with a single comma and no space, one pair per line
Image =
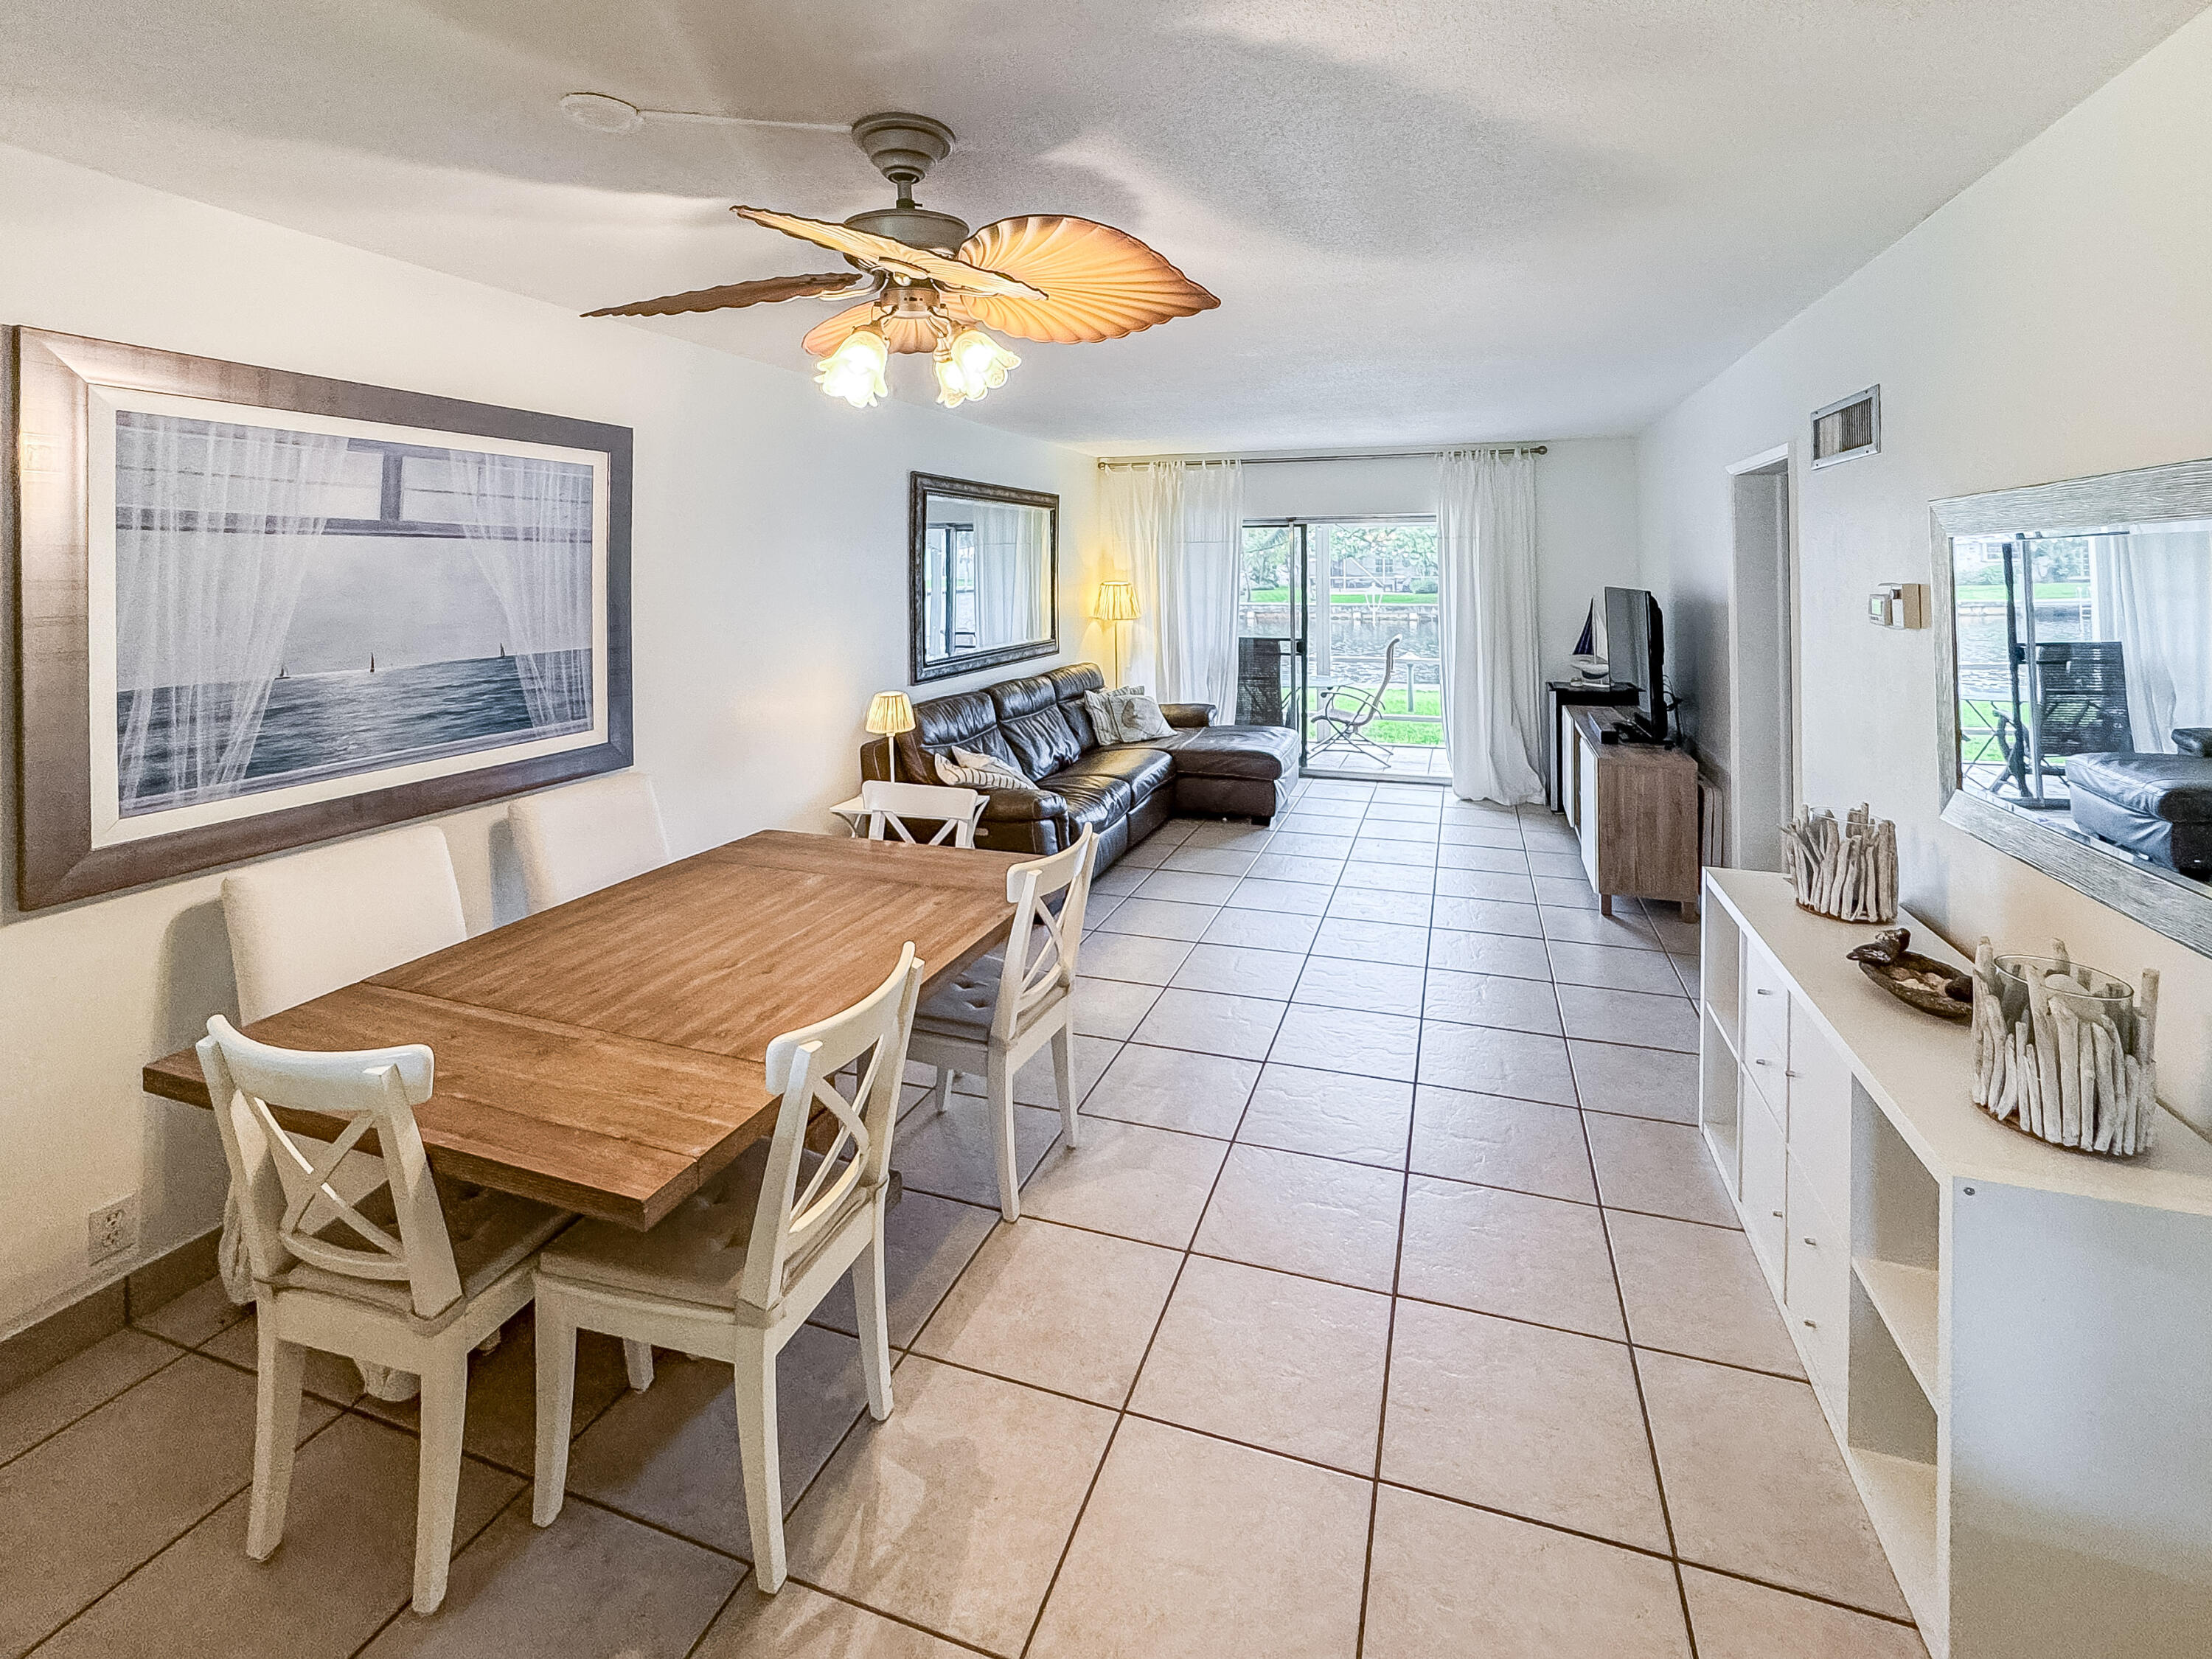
952,384
981,361
854,370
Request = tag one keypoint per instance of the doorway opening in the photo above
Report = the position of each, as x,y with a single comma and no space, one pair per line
1762,747
1338,635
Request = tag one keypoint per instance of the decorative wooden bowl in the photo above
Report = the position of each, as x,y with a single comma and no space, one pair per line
1932,987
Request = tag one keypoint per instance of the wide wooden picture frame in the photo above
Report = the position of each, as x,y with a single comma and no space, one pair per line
923,665
153,739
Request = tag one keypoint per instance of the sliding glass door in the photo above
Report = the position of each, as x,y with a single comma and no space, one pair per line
1337,630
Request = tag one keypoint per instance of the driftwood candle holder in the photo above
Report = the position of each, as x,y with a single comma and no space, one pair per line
2065,1053
1848,871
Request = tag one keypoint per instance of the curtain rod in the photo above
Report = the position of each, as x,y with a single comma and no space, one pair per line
1107,462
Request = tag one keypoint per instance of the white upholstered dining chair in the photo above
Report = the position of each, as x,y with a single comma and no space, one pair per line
591,835
738,1267
889,806
307,924
1007,1006
400,1277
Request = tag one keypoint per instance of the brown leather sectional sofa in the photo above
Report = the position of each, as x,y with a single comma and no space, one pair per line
1124,791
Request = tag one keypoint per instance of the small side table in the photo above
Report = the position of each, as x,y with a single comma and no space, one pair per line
854,814
1561,695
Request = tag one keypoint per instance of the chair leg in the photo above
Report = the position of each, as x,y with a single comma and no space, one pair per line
557,1409
637,1360
999,1083
275,1434
873,1310
758,1456
438,1474
942,1094
1063,1078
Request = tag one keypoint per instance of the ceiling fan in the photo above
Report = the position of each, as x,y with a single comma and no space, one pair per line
929,284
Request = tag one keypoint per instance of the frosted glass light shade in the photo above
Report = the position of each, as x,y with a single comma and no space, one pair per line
1117,602
854,370
891,712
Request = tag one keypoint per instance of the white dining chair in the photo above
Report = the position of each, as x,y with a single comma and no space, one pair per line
591,835
405,1277
1006,1005
889,806
307,924
737,1268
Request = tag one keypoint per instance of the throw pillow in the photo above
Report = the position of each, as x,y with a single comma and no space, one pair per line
1126,714
988,772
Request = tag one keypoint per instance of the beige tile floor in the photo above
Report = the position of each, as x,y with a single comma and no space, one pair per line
1388,1309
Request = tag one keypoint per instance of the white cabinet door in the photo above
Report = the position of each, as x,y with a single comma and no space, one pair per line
1765,1183
1817,1291
1819,1119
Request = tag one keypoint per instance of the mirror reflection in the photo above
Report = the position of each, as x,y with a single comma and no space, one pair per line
2085,686
982,577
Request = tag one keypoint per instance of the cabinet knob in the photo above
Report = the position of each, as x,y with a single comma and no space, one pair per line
1761,991
1812,1325
1762,1062
1814,1242
1777,1215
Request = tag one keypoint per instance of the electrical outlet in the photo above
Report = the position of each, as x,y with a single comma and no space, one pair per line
112,1230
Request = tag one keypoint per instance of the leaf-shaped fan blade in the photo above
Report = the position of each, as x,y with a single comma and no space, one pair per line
900,333
893,255
763,291
1102,283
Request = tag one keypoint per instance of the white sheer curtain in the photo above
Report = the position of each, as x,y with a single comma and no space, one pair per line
214,525
1010,560
1178,529
529,523
1486,606
2152,590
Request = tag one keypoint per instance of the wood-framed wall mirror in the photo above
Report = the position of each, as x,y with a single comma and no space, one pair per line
983,568
2074,631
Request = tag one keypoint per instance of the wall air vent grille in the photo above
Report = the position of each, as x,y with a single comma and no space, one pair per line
1846,430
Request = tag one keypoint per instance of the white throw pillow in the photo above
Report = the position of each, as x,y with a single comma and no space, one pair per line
1126,715
967,769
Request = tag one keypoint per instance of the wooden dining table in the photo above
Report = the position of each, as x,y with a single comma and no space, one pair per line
607,1055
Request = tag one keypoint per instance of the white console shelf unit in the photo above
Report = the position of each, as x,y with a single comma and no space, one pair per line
2012,1342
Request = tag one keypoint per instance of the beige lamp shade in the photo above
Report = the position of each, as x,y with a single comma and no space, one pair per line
1117,602
891,712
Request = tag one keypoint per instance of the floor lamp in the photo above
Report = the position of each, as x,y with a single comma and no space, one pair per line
1117,603
891,714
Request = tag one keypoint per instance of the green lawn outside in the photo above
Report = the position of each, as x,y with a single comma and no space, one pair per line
2045,593
1421,734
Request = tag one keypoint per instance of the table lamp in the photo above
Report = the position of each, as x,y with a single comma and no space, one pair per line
1117,603
891,714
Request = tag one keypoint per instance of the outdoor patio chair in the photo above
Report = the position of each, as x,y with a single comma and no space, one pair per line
1342,717
2083,710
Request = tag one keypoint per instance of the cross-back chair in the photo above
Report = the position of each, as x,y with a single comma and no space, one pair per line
1008,1004
889,806
385,1277
739,1266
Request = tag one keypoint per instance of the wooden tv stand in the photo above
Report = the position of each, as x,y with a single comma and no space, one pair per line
1635,807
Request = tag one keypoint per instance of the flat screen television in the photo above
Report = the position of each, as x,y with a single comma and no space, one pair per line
1635,652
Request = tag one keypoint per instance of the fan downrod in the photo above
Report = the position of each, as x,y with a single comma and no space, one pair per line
903,147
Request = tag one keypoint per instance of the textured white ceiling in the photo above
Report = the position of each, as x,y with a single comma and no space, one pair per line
1425,220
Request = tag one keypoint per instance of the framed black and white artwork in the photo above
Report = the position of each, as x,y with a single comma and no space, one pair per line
262,609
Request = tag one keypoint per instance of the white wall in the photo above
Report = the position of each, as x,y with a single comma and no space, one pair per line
2049,322
769,553
1587,528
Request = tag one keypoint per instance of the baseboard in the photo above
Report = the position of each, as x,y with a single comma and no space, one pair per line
104,1309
